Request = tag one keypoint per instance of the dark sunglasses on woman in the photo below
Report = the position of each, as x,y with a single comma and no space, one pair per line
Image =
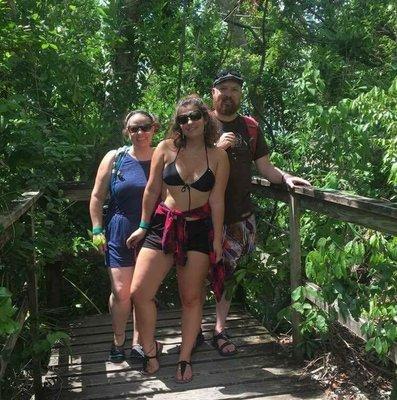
192,115
135,128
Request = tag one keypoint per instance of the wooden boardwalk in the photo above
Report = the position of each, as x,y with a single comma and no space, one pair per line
258,371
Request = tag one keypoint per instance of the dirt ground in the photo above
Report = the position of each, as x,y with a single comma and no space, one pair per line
345,371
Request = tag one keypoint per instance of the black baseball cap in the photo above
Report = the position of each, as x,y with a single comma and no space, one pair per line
228,75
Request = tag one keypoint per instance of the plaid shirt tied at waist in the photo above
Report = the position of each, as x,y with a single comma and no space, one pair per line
175,239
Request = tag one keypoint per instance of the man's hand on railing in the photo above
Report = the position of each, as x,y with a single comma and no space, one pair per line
291,181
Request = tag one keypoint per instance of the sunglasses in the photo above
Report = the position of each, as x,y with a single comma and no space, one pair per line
136,128
192,115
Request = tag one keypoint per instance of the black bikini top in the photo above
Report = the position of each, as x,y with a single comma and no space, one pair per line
203,184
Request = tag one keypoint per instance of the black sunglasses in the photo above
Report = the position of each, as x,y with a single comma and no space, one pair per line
135,128
192,115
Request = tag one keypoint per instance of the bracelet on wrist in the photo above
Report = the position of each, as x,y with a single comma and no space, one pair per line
144,225
97,230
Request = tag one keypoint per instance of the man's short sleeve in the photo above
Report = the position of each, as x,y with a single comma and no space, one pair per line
262,148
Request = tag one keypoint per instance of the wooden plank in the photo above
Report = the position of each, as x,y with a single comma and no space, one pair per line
100,320
19,207
200,394
296,267
33,307
60,356
167,333
348,322
246,344
97,374
376,206
87,364
76,191
266,383
208,322
341,212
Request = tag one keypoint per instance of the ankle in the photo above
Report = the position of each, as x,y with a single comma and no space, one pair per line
119,339
218,330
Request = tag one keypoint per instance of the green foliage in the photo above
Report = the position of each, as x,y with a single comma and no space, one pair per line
7,311
321,77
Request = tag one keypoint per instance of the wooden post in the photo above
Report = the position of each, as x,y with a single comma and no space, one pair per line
296,268
34,310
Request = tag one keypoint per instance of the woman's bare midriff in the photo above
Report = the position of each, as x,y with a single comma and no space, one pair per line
178,200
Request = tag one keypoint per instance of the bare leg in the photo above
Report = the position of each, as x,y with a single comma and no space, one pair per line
191,279
120,301
151,268
135,334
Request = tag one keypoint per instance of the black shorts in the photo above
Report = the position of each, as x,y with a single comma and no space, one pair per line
196,231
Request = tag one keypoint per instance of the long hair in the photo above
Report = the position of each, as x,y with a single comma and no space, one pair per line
211,125
152,118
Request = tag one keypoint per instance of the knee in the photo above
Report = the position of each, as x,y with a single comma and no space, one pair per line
191,300
121,293
138,295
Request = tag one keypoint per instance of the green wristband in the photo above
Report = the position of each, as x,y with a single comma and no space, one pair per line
97,230
144,225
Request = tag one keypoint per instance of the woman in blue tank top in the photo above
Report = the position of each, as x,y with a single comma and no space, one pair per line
123,176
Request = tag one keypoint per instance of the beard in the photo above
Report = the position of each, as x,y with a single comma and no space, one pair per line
226,106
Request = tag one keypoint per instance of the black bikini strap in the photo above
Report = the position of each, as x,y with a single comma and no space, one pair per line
177,154
206,154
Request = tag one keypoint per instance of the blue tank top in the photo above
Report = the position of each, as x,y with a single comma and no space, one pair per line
127,190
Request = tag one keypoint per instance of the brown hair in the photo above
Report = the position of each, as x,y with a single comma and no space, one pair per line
211,127
152,118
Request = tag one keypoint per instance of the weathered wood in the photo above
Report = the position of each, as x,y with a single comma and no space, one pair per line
259,369
12,339
208,321
19,207
266,383
169,334
341,212
103,319
295,267
373,213
171,342
347,321
248,345
76,191
34,307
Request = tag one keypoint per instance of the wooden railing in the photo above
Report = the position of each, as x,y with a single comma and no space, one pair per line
29,303
375,214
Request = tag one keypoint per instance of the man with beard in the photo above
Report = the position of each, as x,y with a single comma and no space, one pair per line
243,147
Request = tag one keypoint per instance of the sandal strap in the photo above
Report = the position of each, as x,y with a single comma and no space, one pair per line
182,365
221,335
224,344
146,357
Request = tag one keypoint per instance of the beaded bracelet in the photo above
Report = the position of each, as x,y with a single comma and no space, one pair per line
144,225
97,230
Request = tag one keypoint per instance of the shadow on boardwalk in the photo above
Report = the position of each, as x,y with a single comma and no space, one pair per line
259,370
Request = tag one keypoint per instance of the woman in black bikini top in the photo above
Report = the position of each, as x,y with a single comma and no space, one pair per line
172,177
185,230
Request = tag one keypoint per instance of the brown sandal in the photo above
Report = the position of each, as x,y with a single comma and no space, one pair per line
224,336
146,358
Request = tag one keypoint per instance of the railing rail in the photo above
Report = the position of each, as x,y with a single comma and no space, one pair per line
29,304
